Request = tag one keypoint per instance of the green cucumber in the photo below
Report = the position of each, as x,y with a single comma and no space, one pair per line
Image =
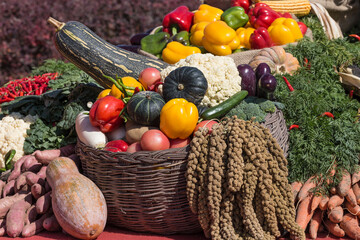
222,108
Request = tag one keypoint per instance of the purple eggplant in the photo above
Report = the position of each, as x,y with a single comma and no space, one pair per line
248,79
266,86
136,39
261,69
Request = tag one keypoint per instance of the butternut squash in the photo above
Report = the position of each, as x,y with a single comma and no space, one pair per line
78,204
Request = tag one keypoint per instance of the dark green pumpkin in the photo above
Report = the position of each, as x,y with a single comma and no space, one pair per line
98,58
185,82
144,108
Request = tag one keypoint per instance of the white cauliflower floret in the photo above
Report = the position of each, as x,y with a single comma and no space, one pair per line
12,135
220,71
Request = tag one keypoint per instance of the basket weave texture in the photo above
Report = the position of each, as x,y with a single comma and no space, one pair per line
146,191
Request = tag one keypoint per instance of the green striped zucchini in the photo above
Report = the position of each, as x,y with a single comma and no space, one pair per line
98,58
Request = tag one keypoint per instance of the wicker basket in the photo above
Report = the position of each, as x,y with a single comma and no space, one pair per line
146,191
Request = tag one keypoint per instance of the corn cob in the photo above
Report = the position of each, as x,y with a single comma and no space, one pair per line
296,7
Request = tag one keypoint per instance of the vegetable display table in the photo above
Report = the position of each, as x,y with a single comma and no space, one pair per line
117,233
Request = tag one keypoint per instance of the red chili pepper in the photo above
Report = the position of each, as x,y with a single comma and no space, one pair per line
288,84
307,64
328,114
355,36
351,94
293,126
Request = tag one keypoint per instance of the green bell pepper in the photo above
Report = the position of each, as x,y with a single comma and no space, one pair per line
155,43
235,17
182,37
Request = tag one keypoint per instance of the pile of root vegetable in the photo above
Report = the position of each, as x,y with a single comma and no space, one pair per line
336,211
237,183
25,203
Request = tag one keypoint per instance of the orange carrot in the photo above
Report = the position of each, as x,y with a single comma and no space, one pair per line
315,201
323,205
350,226
334,201
351,198
344,185
356,190
315,223
336,214
295,187
334,228
305,189
355,177
354,210
333,190
304,213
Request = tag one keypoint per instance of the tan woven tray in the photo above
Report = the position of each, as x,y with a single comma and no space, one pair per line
146,191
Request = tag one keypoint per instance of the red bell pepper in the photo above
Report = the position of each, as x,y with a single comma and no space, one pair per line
303,27
106,113
261,15
178,20
260,38
245,4
116,146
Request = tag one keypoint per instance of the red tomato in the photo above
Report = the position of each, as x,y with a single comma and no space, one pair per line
149,76
116,146
134,147
206,123
179,143
154,140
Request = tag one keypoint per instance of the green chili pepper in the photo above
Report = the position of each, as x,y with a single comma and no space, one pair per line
235,17
8,157
182,37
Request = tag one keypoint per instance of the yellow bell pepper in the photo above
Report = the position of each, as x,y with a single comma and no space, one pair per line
207,13
127,81
220,39
104,93
197,33
284,30
175,51
178,118
244,36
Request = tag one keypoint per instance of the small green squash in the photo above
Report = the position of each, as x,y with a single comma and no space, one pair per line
185,82
144,108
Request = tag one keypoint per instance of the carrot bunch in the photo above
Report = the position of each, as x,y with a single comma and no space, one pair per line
336,211
25,195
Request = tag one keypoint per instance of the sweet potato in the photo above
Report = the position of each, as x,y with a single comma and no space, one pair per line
351,198
324,202
47,186
31,215
304,213
356,190
35,227
2,185
315,223
305,189
9,188
354,210
46,156
51,224
32,178
344,185
336,214
31,164
15,218
20,182
315,201
334,201
17,168
37,190
67,150
2,227
334,228
43,203
295,187
7,202
350,226
42,172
